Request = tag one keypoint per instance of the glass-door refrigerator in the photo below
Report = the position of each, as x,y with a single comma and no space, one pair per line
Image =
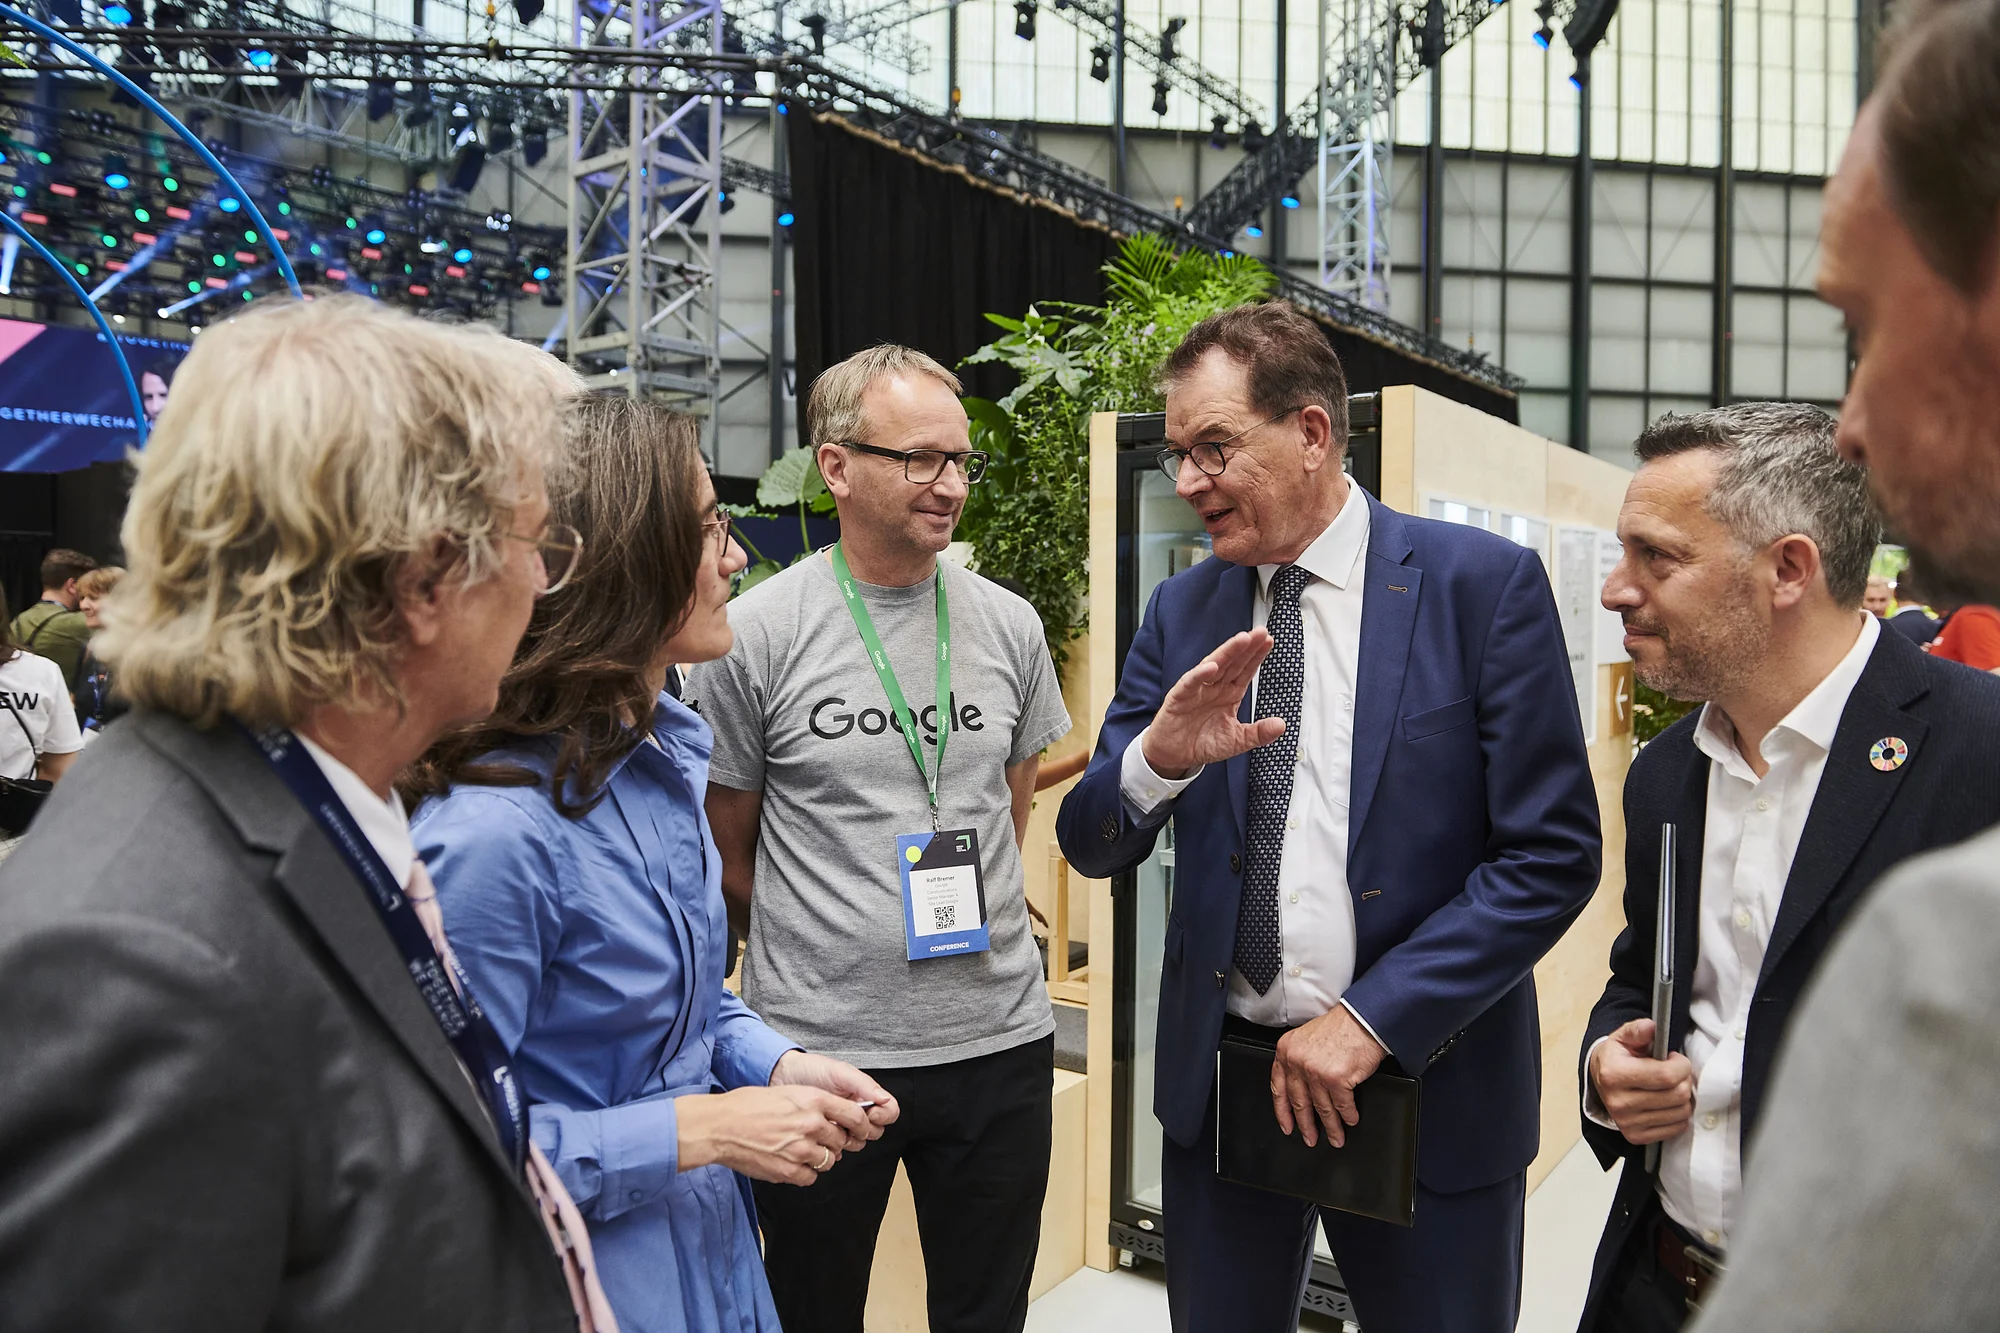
1159,535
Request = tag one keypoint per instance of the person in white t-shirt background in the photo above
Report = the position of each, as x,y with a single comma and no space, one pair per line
38,733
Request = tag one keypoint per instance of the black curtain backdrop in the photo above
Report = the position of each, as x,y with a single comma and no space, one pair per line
889,247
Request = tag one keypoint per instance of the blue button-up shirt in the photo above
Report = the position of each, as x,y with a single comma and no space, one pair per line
597,947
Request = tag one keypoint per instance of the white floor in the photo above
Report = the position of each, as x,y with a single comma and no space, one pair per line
1565,1218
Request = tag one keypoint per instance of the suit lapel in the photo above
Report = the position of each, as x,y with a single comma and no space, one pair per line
336,905
1852,793
328,896
1389,594
1236,603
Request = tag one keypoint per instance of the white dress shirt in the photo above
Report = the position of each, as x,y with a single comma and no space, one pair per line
1315,911
1750,835
381,821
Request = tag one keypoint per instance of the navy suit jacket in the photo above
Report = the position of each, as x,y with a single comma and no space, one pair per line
1472,838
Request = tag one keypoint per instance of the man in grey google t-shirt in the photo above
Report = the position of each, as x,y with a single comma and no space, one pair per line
877,871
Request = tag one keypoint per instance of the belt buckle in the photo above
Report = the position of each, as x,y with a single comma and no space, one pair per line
1703,1271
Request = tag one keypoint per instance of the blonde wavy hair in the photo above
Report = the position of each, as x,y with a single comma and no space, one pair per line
309,453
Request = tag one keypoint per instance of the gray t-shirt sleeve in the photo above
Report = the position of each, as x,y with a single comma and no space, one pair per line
730,693
1044,716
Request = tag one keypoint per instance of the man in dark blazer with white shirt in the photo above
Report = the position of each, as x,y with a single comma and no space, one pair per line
1371,854
1827,750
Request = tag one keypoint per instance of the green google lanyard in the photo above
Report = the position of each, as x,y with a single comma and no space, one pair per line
850,591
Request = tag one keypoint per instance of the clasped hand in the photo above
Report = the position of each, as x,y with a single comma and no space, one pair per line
1319,1066
788,1132
1649,1100
1196,723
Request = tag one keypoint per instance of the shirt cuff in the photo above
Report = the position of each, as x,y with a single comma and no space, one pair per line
1365,1027
747,1053
1145,791
1593,1105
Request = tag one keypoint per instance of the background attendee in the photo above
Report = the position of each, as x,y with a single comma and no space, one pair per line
229,1104
1969,634
1912,618
1871,1202
94,704
572,859
155,382
1373,865
1877,598
53,627
1828,750
813,783
38,734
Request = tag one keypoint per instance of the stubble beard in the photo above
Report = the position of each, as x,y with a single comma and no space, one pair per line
1709,658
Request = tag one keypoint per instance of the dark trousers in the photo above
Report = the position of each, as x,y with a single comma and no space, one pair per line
1238,1258
974,1137
1640,1296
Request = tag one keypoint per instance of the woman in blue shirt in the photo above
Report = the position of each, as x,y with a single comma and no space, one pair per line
582,892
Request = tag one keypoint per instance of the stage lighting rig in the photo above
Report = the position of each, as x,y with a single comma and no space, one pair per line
534,143
815,26
1160,89
1254,138
527,10
1024,19
1100,63
1218,136
381,98
1170,40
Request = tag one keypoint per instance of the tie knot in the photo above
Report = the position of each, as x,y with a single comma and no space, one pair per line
1289,582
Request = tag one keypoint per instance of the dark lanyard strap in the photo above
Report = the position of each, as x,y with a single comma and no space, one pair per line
458,1014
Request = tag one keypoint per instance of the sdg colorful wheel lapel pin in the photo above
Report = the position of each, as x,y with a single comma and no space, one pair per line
1889,753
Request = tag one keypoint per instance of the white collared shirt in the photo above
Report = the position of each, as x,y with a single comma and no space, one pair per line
1750,835
381,821
1315,910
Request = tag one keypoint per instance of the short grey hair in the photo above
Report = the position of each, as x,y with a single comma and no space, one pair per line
1780,474
833,409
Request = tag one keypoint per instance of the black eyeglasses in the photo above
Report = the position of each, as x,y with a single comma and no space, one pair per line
1208,456
924,466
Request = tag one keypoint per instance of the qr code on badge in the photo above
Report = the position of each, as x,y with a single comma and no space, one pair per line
945,918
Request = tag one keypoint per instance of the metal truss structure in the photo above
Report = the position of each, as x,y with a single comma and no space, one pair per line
1355,131
1370,51
645,207
1001,161
878,29
645,139
1148,50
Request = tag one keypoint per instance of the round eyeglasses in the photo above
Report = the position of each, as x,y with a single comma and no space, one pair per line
924,466
561,550
1208,456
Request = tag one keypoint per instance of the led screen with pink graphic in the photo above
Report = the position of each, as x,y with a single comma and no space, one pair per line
63,404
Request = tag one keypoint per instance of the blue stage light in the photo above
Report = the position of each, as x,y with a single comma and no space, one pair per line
376,236
117,180
118,14
1289,201
462,255
541,273
262,59
1542,38
784,219
229,205
1253,231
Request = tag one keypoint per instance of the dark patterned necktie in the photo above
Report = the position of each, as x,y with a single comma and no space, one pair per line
1280,685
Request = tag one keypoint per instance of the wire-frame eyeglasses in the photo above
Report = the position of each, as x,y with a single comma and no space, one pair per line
1208,456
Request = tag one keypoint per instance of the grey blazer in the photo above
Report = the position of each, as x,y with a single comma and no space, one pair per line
1871,1195
223,1103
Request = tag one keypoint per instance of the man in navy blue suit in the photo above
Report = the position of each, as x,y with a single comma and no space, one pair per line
1364,727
